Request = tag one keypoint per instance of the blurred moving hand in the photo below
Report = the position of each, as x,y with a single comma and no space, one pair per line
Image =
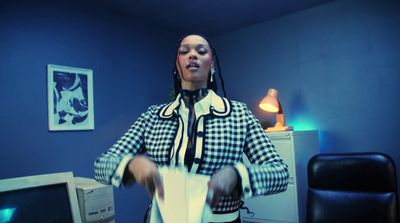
225,182
146,174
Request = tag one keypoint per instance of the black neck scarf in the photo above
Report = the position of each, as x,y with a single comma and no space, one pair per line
190,98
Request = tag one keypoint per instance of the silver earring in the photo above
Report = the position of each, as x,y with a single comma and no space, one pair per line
212,74
177,76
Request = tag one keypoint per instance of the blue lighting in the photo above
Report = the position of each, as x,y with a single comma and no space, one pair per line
6,215
302,125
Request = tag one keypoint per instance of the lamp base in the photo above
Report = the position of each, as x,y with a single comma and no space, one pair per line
279,129
280,124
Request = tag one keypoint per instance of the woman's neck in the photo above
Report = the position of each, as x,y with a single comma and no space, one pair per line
190,86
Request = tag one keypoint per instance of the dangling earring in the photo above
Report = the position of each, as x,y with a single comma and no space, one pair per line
176,75
212,74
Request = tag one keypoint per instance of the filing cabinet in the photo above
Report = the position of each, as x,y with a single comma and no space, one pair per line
295,148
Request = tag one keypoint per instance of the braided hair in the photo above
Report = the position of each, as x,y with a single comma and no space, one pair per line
210,85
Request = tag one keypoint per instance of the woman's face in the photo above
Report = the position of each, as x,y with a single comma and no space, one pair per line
194,61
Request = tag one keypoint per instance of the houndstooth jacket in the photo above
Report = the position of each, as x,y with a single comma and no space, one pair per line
224,133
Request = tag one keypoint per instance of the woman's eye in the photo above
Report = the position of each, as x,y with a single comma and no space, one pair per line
202,51
183,51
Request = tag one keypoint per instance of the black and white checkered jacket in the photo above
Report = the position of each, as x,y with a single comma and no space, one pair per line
224,133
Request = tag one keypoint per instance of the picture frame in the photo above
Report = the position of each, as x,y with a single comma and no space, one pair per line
70,98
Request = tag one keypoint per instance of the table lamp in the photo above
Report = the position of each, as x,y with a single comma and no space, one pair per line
271,103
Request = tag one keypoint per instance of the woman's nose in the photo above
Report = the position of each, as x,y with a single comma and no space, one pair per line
192,54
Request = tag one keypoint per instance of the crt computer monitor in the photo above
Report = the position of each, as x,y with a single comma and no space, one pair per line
49,198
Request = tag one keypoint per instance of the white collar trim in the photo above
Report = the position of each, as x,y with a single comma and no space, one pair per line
219,106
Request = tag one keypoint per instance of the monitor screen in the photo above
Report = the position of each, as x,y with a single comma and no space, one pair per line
44,198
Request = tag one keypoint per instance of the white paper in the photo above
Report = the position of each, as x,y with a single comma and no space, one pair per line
184,198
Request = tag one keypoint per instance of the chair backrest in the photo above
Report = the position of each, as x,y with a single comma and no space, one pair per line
352,187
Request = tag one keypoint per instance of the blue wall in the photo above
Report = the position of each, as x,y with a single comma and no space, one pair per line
336,67
131,67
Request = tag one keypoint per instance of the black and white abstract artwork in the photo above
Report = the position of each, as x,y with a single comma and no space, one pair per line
70,98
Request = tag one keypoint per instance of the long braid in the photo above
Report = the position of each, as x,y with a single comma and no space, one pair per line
219,70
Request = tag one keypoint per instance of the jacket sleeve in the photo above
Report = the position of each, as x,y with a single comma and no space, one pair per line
109,167
268,174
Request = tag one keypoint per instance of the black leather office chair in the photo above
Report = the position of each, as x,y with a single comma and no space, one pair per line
353,187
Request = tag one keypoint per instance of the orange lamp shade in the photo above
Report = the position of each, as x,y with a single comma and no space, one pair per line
270,102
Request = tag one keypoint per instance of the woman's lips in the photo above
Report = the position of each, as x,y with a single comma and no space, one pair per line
192,65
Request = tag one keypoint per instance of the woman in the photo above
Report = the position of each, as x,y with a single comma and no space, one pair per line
202,131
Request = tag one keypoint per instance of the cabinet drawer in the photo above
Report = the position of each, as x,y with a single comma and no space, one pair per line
284,147
279,207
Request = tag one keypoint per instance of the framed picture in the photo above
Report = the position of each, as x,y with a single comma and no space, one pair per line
70,98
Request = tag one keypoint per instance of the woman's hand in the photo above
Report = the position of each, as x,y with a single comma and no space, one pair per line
223,183
146,174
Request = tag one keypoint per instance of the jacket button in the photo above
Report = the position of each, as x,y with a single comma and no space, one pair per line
200,134
197,160
247,190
